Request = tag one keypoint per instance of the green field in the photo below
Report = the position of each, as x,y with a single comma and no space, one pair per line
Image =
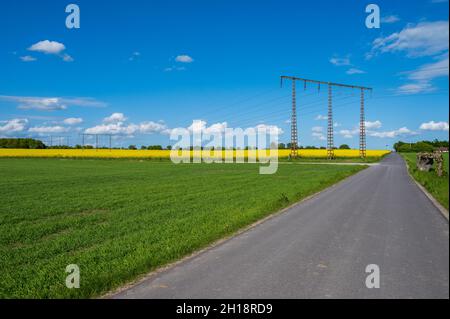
437,186
118,219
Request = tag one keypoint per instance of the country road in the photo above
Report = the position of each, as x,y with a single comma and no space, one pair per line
320,248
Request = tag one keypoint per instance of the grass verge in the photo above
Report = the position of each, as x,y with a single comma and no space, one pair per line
435,185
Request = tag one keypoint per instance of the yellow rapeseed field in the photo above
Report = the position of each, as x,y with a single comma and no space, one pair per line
106,153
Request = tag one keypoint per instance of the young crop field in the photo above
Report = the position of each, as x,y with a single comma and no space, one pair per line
437,186
118,219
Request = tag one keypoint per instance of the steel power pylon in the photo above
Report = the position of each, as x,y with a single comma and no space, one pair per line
83,135
330,137
362,128
330,133
294,134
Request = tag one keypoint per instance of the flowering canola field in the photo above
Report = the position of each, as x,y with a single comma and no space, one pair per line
165,154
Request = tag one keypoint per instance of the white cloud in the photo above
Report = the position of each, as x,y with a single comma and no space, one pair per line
319,136
200,126
268,128
28,58
184,59
14,125
431,71
73,120
48,129
373,125
414,88
390,19
51,47
113,128
422,39
391,134
372,130
317,133
340,61
115,118
50,103
47,104
422,77
355,71
152,127
321,117
67,58
434,126
114,124
348,133
47,47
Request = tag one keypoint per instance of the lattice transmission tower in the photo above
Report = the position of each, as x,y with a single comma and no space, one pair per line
330,132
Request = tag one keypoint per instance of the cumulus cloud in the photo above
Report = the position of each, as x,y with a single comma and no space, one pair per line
317,133
14,125
50,103
115,124
349,133
372,130
391,134
372,125
48,47
269,128
48,129
434,126
115,118
200,126
73,120
51,47
184,59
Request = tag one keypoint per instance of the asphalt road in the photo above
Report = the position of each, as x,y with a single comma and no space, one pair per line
320,248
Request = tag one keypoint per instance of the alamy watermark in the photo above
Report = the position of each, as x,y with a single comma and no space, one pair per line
73,19
73,279
227,145
373,279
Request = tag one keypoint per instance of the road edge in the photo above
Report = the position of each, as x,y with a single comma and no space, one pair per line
218,242
433,200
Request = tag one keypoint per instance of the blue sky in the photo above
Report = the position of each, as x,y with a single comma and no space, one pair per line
140,68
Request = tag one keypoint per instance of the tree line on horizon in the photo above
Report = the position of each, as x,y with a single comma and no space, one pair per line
420,146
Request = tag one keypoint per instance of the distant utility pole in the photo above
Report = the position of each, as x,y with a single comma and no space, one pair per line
83,135
330,133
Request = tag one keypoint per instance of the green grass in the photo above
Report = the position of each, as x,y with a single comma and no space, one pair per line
120,219
437,186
